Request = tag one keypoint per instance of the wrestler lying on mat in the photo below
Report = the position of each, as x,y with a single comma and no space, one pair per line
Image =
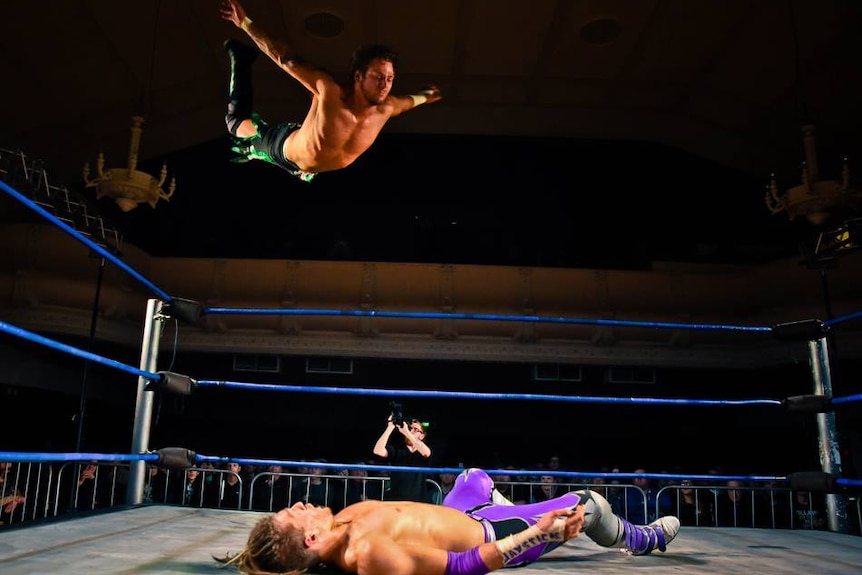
472,533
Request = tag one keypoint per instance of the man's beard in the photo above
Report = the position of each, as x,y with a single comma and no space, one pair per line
373,98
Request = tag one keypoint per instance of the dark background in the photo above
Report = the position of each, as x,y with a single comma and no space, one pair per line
470,200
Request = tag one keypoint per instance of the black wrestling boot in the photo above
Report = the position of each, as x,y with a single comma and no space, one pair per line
240,94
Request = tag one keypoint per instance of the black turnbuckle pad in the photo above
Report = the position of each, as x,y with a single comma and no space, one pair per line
184,310
176,458
803,330
173,382
808,404
813,481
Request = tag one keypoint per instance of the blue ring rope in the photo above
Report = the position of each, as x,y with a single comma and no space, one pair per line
842,319
479,316
20,457
476,395
29,335
84,240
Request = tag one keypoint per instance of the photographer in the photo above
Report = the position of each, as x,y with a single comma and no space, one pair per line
405,485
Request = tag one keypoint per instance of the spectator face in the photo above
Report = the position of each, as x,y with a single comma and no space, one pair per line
734,492
447,478
417,429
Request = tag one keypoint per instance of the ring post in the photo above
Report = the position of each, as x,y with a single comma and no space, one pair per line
830,455
144,402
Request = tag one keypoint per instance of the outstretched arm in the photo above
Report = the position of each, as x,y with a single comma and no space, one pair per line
382,556
279,51
429,95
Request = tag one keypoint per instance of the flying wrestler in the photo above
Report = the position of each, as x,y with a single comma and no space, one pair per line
470,534
343,119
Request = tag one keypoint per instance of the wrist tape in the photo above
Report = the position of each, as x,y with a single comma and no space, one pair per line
419,99
246,22
465,563
515,544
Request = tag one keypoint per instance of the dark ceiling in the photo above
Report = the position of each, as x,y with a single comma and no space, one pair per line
588,133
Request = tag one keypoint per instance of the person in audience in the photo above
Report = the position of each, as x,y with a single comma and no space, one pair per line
12,500
337,484
616,494
90,490
734,507
150,474
599,483
209,484
193,488
410,451
506,486
232,489
772,506
691,506
315,489
272,490
656,505
362,488
807,512
546,489
446,483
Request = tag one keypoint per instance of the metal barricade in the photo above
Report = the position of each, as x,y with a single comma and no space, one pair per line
25,491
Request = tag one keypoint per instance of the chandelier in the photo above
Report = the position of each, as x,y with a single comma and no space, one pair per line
816,200
129,186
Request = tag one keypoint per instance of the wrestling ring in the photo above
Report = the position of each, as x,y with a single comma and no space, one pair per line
138,535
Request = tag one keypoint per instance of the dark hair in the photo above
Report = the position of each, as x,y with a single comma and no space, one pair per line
424,425
363,56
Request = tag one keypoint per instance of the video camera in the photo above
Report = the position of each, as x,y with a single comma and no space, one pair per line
397,413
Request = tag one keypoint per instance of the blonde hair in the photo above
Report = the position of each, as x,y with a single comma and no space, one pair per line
271,551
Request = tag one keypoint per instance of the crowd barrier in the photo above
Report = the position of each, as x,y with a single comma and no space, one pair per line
51,490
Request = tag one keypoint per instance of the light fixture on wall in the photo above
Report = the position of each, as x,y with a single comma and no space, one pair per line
129,186
818,201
